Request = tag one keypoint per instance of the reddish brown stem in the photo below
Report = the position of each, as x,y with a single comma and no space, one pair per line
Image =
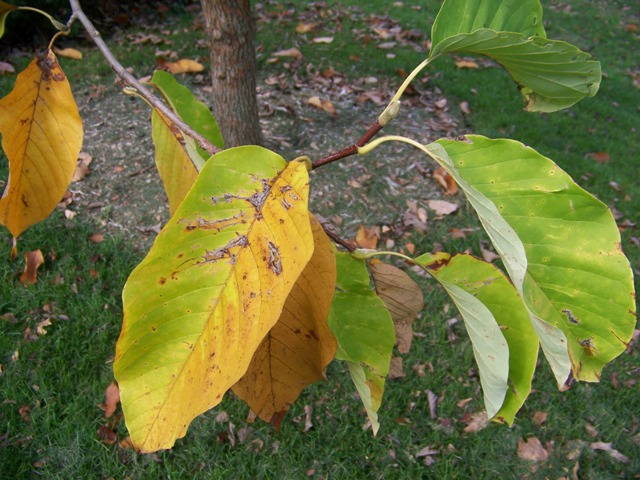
352,150
338,240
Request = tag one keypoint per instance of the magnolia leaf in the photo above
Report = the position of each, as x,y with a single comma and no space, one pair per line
560,246
486,299
403,298
213,285
298,348
177,154
364,330
5,8
41,136
550,74
467,16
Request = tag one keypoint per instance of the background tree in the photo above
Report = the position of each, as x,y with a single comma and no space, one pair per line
230,29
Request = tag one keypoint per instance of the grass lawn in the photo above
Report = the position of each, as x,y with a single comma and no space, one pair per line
57,338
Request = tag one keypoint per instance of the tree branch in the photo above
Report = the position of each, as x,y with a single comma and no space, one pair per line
352,150
131,81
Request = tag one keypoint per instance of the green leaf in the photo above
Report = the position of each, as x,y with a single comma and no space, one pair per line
493,312
560,246
550,74
5,8
212,286
467,16
193,112
364,330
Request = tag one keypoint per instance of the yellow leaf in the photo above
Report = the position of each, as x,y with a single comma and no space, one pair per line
68,53
298,348
212,286
41,136
183,66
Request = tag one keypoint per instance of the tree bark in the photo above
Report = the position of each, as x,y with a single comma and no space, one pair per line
231,31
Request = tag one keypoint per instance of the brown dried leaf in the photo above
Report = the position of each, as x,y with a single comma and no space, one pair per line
106,435
442,207
367,238
290,52
600,157
608,447
68,53
396,369
532,450
488,255
402,297
475,421
24,412
183,65
305,27
448,183
40,327
539,418
323,40
466,63
6,69
33,260
111,400
82,166
322,104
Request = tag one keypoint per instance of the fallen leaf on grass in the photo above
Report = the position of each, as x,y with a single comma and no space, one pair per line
448,183
367,237
608,447
465,108
466,63
532,450
323,40
96,237
6,68
41,327
600,157
71,53
325,105
539,418
290,52
487,254
111,400
106,435
475,421
457,233
82,166
181,66
305,27
396,369
33,260
442,208
24,412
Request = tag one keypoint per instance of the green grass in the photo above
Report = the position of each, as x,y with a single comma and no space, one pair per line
62,375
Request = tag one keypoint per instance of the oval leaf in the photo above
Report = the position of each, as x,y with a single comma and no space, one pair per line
298,348
364,330
551,75
213,285
560,245
41,136
483,282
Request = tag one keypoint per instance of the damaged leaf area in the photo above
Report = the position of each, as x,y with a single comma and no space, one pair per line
213,285
298,348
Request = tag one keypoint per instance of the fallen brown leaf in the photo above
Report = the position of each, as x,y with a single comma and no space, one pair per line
290,52
442,208
111,400
466,63
24,412
475,421
82,166
33,260
608,447
323,40
600,157
181,66
68,53
6,68
446,181
395,368
367,237
539,418
305,27
96,237
532,450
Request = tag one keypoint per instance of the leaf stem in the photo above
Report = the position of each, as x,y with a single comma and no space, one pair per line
337,239
58,25
352,150
407,81
133,83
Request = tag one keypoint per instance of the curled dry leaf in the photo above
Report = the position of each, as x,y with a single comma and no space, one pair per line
96,237
111,400
322,104
68,53
33,260
367,237
82,166
305,27
448,183
475,421
396,369
466,63
181,66
608,447
290,52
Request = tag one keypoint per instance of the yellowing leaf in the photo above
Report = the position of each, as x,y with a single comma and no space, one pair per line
366,237
68,53
33,260
322,104
298,347
212,286
183,66
403,298
41,136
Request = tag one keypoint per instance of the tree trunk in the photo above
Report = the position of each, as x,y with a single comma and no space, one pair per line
231,31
